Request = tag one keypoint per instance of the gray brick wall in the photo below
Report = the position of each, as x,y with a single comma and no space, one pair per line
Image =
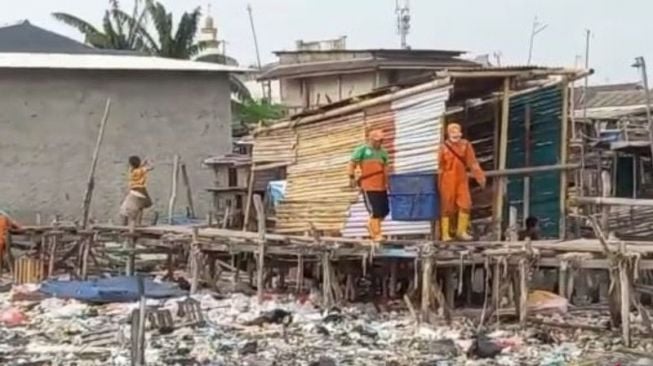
49,120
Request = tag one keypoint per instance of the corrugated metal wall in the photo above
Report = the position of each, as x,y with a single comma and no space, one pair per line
275,146
415,127
545,136
479,127
318,192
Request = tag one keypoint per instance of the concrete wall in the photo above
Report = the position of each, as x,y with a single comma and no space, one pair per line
49,125
337,87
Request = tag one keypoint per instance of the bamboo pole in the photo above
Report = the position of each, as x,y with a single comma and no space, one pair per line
527,162
503,152
612,201
189,191
90,184
351,108
564,139
260,214
173,188
427,274
300,273
194,257
250,190
141,323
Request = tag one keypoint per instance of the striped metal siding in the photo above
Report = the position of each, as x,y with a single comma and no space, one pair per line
545,122
413,147
274,147
318,193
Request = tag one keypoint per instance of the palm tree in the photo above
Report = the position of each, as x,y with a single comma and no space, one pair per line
178,44
120,31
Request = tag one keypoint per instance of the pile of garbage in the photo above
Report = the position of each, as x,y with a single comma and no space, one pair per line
285,330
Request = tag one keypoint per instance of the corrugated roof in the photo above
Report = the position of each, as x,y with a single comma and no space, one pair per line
611,95
357,65
381,51
229,159
106,62
610,112
27,38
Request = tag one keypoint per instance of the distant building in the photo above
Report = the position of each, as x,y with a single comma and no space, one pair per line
53,92
319,73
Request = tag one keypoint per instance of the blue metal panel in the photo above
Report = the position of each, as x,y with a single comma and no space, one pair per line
545,137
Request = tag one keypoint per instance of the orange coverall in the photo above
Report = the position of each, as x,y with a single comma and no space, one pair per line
454,183
5,225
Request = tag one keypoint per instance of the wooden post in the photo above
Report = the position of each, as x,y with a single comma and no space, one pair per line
141,322
503,152
624,294
131,247
327,291
562,278
189,191
393,278
53,252
300,273
427,274
90,184
496,288
195,257
173,188
250,189
86,250
523,292
526,208
563,158
260,218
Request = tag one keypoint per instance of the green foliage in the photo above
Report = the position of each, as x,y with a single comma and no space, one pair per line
120,31
252,112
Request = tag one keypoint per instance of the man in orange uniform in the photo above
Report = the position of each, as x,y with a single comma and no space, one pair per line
372,160
5,225
456,157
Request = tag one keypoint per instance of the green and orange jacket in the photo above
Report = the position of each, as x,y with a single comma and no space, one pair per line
373,165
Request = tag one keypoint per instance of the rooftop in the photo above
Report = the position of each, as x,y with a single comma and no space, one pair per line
380,51
106,62
25,46
358,65
27,38
609,95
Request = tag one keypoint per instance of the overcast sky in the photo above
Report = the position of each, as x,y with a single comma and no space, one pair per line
621,29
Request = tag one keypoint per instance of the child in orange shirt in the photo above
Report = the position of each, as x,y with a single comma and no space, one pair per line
138,172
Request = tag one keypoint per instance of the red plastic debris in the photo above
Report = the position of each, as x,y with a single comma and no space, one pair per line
12,317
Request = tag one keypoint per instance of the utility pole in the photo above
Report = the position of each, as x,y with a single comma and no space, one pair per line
267,94
640,63
537,28
588,35
403,22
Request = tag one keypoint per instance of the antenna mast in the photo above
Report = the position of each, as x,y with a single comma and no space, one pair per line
403,21
266,93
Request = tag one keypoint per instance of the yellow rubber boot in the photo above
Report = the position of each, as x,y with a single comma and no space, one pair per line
463,225
445,234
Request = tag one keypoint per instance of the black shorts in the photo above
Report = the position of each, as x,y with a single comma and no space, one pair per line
377,203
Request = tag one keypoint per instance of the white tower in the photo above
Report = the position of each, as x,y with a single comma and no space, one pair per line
209,35
403,21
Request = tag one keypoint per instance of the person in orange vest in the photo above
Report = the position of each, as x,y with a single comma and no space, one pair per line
457,156
6,224
372,160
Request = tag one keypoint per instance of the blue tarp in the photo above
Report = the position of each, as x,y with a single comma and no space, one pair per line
109,290
276,191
